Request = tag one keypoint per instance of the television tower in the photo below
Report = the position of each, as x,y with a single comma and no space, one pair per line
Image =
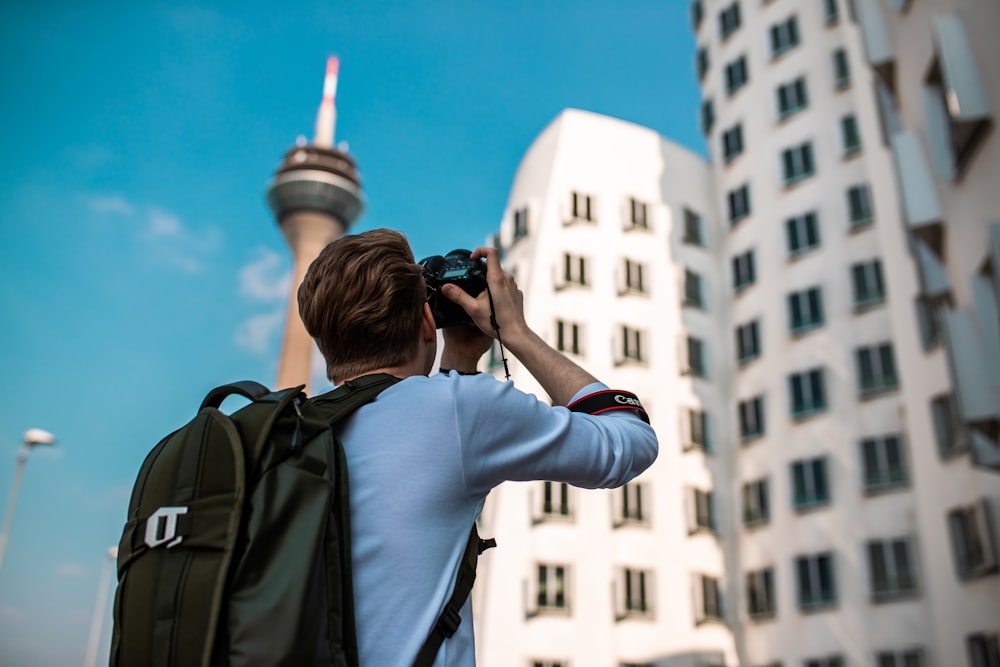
315,196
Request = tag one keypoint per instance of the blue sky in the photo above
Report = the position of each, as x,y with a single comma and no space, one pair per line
140,263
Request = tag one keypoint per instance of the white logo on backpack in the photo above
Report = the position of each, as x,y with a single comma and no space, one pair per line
154,536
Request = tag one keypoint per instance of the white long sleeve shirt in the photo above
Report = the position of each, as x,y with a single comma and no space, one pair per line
422,458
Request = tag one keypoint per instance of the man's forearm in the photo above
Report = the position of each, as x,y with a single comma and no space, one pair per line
560,377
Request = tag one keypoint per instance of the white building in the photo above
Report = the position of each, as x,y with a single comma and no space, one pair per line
604,219
828,445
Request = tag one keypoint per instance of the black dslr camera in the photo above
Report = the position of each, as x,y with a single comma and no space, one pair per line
457,268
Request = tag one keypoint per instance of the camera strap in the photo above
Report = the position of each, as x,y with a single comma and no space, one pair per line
607,400
496,327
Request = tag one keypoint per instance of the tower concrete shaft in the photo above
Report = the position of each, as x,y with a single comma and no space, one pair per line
315,196
307,233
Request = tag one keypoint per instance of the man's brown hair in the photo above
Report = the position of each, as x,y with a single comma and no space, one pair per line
362,301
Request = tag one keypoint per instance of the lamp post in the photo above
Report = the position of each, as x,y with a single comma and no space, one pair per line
97,621
32,437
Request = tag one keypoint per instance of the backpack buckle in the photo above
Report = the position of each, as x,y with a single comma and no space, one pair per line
449,621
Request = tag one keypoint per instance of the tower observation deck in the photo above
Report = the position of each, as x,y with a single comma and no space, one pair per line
315,196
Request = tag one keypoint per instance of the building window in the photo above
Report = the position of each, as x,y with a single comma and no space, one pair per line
802,233
729,20
743,271
947,426
972,540
814,575
876,369
809,483
911,657
797,163
520,223
890,567
826,661
551,592
784,36
695,356
568,337
697,13
751,417
792,97
884,462
850,135
638,215
927,320
702,63
736,75
707,116
631,509
702,511
807,392
494,358
869,289
692,228
747,341
581,207
692,289
831,12
708,599
634,600
575,270
732,142
634,277
859,205
695,434
983,649
841,70
805,310
756,505
555,500
760,593
739,203
632,347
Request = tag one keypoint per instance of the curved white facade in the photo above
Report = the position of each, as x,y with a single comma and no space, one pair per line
611,164
836,324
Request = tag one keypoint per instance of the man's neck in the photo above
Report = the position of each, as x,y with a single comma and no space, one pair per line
401,372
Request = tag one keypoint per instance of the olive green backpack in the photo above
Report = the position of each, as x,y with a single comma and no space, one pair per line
237,551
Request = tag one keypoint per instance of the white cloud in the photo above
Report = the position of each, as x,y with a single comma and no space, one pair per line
174,243
256,333
69,570
164,223
110,205
9,612
264,278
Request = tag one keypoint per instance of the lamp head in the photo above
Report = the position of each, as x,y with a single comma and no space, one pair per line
36,436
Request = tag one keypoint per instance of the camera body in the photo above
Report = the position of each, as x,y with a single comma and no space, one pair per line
456,268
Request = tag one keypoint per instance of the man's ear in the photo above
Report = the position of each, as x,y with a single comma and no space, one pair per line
428,330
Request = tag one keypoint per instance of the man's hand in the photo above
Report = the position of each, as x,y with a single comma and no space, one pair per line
508,300
560,377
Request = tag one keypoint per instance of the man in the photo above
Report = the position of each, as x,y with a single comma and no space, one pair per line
423,456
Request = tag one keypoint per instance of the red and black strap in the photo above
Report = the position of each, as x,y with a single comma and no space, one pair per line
608,400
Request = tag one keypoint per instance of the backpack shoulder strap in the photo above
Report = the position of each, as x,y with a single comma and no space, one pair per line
345,399
450,617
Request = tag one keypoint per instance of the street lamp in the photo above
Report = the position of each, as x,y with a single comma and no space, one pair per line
32,437
97,621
